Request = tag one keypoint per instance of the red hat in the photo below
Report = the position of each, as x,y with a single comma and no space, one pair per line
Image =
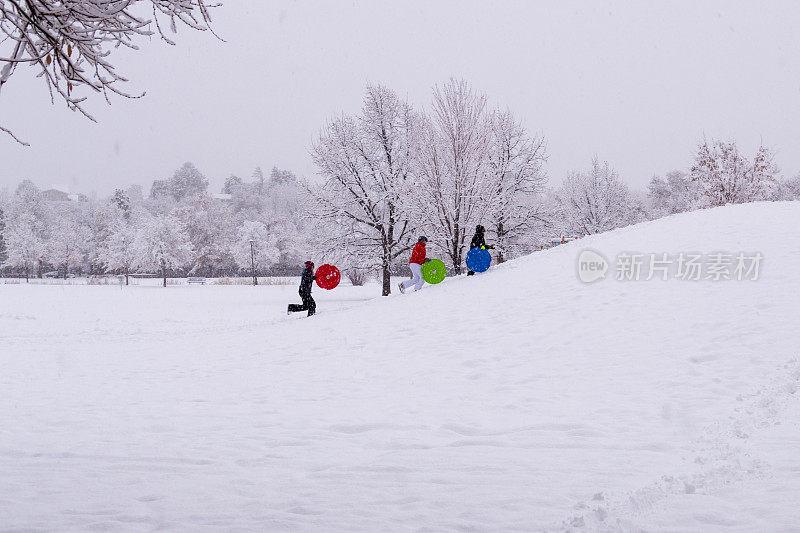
309,263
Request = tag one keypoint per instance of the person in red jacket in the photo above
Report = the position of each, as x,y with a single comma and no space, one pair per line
415,264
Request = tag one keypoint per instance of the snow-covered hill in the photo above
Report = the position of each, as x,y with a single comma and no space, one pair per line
520,399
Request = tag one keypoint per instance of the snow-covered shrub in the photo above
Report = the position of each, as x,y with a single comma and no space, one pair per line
725,176
357,276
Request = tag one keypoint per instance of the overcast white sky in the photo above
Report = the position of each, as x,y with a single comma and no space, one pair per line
637,83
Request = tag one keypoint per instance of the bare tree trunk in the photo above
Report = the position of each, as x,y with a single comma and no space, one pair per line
500,241
126,275
387,250
387,277
456,251
164,272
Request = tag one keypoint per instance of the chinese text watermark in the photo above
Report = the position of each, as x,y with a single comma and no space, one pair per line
684,266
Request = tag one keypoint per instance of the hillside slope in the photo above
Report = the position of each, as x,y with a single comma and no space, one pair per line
520,399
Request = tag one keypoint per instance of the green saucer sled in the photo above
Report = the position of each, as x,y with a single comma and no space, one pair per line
434,271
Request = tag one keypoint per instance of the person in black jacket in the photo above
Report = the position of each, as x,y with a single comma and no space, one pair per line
478,241
306,279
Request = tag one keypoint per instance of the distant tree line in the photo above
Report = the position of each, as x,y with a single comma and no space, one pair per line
719,175
179,229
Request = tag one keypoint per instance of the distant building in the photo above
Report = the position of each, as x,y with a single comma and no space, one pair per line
58,194
78,197
54,195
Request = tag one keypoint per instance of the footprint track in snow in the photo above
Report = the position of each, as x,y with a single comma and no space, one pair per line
717,453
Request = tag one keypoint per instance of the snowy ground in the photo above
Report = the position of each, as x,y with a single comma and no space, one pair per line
520,399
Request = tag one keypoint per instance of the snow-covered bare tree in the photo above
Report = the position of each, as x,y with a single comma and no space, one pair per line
26,231
365,161
513,206
209,226
162,243
792,187
255,246
725,176
640,208
674,193
68,241
764,175
3,254
281,196
548,224
71,43
788,189
99,217
452,186
595,201
283,210
332,240
120,250
24,248
247,199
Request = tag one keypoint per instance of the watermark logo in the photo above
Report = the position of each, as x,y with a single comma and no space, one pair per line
684,266
591,266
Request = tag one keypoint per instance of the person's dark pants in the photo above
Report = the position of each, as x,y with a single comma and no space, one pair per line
470,272
308,305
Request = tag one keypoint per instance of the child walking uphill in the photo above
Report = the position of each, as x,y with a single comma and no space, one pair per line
415,264
306,279
478,241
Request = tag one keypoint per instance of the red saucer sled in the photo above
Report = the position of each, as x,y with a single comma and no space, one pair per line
328,276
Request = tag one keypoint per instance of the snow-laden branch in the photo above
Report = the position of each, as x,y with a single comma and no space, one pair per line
70,42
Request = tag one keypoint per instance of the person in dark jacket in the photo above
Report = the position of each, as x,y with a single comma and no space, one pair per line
306,280
478,241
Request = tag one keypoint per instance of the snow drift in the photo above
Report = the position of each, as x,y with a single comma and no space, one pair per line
519,399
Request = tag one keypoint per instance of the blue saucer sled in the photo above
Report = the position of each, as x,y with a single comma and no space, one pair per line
478,260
